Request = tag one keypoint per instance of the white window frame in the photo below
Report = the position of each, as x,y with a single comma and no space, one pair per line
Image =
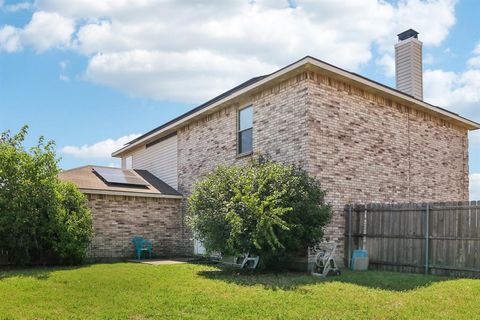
239,152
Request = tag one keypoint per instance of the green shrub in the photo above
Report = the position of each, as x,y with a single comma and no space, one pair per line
74,224
37,211
265,208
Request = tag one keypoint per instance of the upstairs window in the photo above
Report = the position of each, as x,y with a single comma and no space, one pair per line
245,130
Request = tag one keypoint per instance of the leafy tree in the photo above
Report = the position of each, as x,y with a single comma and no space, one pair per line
73,224
264,208
37,211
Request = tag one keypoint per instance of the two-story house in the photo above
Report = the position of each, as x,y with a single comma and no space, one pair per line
364,141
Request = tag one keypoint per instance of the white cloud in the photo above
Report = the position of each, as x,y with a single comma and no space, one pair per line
428,58
474,138
475,186
415,14
161,75
47,30
10,39
16,6
412,14
156,49
63,67
387,62
459,91
474,61
63,64
99,150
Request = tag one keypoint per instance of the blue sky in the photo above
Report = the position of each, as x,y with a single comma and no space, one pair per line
93,74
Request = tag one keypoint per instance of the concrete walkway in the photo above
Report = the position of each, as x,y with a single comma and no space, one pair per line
157,262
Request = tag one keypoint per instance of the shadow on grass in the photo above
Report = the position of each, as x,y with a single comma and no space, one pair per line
269,280
391,281
35,272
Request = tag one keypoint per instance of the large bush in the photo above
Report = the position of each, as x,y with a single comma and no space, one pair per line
42,220
264,208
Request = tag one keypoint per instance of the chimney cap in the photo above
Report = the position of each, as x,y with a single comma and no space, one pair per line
410,33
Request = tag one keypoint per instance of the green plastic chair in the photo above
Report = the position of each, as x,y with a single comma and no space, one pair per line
142,245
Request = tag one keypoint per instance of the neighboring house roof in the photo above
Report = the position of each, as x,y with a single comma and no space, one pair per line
306,63
90,182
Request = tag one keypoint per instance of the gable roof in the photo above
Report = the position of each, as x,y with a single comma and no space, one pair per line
89,182
308,63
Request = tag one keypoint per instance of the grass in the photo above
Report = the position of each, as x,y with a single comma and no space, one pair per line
137,291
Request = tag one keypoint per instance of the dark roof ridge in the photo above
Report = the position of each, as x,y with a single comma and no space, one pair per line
259,78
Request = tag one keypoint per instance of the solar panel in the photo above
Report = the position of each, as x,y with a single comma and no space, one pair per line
120,176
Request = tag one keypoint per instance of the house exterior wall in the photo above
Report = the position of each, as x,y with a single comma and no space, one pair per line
160,159
117,219
365,148
362,147
279,129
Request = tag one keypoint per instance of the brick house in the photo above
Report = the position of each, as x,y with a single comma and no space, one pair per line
149,207
364,141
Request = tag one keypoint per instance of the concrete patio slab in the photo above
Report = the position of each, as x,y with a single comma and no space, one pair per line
157,262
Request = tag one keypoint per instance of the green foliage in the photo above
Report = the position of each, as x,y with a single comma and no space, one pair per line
41,219
195,291
265,208
74,224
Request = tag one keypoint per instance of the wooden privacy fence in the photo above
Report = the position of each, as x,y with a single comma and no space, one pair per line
438,238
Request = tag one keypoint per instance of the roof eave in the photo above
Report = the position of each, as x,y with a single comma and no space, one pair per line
275,75
129,193
333,70
405,98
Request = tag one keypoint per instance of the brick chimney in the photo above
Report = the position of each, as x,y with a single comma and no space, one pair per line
408,64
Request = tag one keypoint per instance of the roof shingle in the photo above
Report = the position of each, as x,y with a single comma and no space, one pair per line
86,180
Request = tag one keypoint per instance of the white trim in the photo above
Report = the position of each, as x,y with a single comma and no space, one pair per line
129,193
249,105
412,39
129,162
307,60
402,96
213,105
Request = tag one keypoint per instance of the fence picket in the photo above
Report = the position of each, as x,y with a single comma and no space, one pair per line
395,235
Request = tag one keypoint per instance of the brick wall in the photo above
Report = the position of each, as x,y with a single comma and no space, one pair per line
365,148
279,129
362,147
117,219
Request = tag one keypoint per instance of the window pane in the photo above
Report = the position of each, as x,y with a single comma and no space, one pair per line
246,118
245,141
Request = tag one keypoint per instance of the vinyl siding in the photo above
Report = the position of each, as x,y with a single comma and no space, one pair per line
160,159
408,56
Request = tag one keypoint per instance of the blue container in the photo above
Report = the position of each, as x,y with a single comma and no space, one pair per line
359,260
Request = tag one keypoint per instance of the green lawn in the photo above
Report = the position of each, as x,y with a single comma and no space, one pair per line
137,291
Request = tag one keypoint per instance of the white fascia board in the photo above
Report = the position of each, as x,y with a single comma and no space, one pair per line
212,106
305,61
130,194
405,97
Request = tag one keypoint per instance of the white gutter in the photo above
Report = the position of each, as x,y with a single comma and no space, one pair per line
213,105
394,93
130,194
304,61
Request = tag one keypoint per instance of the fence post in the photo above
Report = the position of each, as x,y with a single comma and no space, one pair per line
364,231
427,237
349,236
